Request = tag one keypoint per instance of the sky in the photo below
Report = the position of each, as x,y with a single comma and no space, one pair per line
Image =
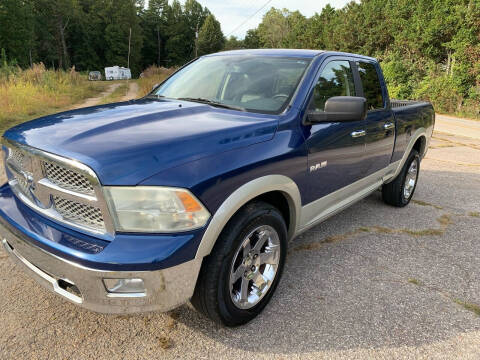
231,13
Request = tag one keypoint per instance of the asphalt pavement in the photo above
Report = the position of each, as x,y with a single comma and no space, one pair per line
371,282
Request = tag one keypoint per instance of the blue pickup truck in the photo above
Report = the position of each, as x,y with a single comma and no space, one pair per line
193,192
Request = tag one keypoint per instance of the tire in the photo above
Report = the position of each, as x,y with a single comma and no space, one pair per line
400,191
218,293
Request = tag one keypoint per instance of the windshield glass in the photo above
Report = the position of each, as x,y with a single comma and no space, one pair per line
254,83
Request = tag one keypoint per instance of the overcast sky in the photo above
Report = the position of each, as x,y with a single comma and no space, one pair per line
231,13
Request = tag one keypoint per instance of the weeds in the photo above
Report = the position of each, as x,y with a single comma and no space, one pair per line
415,281
445,220
26,94
424,203
468,306
151,76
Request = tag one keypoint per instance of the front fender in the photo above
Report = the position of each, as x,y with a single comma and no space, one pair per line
244,194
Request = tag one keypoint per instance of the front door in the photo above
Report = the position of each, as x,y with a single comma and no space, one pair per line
336,149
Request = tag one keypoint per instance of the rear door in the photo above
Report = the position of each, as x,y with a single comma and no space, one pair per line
380,122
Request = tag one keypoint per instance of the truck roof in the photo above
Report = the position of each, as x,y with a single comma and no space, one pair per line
305,53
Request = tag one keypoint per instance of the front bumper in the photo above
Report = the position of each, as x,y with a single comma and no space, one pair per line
164,289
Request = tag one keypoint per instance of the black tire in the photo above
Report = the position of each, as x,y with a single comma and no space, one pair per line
212,295
393,192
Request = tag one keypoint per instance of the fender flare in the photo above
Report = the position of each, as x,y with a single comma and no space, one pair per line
420,132
244,194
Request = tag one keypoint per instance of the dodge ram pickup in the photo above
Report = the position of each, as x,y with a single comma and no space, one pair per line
193,192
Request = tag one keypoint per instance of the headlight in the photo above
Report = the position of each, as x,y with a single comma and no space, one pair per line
155,209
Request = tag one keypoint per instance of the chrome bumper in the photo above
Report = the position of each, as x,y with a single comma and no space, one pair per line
164,289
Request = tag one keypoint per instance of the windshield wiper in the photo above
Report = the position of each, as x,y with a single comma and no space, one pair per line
213,103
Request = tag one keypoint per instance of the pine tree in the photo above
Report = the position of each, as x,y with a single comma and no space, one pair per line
210,37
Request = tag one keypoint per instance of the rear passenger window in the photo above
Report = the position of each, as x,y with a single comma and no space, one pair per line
336,79
371,85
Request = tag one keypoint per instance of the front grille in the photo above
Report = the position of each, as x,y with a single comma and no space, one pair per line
79,213
67,179
57,188
18,157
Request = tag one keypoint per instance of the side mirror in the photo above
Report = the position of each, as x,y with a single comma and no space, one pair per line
154,86
340,108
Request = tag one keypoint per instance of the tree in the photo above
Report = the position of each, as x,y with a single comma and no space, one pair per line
122,17
233,43
252,40
210,37
17,30
274,28
153,21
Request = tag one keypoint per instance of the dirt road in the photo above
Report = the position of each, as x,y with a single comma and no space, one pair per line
95,100
372,282
132,91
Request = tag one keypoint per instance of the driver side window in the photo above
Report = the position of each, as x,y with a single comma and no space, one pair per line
336,79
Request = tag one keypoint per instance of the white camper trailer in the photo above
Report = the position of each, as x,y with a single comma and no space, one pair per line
117,73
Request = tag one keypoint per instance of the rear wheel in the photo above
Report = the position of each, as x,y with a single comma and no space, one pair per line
400,191
240,275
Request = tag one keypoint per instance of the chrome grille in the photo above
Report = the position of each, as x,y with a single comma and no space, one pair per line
64,190
67,179
18,157
79,213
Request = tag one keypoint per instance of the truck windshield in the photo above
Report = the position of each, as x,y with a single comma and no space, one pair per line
262,84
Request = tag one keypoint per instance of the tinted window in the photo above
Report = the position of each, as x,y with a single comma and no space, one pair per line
336,79
371,85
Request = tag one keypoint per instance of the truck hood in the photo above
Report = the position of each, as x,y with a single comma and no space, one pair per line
125,143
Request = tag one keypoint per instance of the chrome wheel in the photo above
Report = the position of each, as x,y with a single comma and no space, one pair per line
254,267
410,180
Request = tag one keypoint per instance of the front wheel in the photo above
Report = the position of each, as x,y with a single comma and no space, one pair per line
400,191
240,275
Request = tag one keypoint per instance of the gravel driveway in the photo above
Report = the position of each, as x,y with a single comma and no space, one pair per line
371,282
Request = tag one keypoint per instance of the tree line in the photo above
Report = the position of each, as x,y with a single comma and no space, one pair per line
429,49
92,34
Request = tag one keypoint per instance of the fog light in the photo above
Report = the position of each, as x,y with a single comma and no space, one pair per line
124,286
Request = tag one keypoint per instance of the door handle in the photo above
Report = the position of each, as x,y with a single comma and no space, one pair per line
358,133
389,126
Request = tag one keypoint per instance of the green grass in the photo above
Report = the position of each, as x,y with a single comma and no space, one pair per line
469,306
415,281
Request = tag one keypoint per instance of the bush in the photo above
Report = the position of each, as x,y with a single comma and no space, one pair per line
441,90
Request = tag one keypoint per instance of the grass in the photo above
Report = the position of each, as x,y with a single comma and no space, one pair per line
474,214
31,93
469,306
445,220
424,203
415,281
151,76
